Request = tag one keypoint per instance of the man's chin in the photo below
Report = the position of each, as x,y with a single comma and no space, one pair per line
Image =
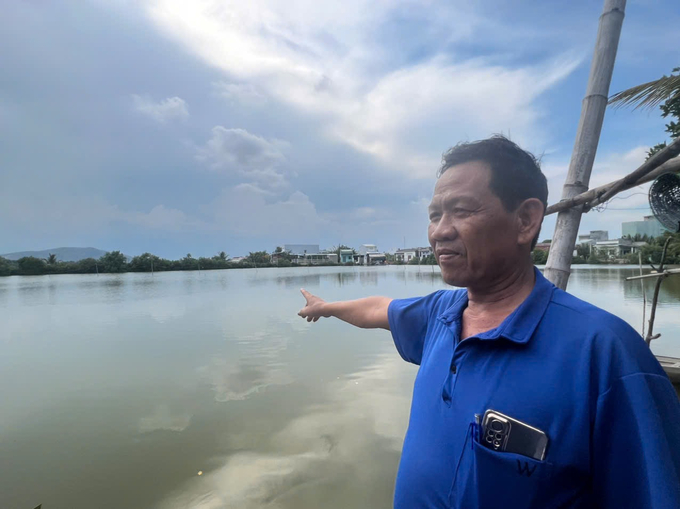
453,277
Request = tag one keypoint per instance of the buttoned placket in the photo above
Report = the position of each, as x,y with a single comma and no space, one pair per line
459,352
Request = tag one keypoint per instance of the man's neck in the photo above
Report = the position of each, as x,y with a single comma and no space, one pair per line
488,307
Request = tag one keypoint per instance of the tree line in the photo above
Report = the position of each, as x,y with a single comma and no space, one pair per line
116,262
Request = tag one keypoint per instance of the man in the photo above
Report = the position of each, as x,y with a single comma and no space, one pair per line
513,343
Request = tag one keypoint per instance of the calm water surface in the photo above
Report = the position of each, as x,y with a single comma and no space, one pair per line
116,390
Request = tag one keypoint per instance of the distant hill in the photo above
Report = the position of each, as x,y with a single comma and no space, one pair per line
64,254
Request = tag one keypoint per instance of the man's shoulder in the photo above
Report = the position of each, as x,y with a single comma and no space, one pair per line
433,304
611,340
451,294
444,299
585,314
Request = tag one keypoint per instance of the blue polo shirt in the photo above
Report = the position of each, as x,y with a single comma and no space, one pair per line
578,373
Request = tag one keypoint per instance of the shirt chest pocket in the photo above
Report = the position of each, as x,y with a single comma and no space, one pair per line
487,479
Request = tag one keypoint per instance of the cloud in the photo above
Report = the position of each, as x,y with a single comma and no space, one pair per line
430,99
229,149
328,61
249,155
244,94
248,210
89,213
172,108
159,218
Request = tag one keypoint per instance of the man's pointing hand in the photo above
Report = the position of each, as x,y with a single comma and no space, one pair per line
314,307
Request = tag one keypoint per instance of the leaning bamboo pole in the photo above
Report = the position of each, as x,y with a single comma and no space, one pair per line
587,138
657,159
595,196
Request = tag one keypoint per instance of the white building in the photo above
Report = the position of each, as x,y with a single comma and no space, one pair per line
406,255
368,254
613,249
309,254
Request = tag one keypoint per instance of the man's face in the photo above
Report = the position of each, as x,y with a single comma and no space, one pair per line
475,239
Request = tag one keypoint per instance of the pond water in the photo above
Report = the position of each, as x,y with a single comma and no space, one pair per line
118,390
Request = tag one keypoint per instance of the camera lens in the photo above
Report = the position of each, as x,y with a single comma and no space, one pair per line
497,425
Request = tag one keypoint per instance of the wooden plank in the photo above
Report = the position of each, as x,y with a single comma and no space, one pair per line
671,365
664,273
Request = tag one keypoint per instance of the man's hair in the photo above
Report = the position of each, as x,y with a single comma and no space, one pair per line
515,173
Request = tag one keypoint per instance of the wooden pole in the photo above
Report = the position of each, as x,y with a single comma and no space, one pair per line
587,138
650,329
644,294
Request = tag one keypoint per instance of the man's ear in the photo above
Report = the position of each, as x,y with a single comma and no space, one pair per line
529,219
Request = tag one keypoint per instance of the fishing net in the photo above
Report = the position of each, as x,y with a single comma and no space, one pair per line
664,199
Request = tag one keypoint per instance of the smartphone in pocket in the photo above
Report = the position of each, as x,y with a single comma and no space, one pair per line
504,433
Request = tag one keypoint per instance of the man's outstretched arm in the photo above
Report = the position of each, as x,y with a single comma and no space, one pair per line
367,313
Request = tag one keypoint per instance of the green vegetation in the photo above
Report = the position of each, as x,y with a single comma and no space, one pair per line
665,90
31,265
258,258
671,108
116,262
5,267
539,257
426,260
651,253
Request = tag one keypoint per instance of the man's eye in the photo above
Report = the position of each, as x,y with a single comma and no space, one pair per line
434,217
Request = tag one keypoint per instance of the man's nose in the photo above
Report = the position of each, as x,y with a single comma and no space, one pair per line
445,229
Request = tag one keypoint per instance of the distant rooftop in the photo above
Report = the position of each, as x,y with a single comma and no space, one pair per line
301,249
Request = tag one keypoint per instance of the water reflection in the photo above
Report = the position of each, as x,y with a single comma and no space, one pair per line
32,291
368,278
162,419
352,440
298,281
249,364
345,278
426,275
121,375
669,291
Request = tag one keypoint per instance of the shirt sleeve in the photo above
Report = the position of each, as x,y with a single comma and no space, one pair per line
636,444
408,320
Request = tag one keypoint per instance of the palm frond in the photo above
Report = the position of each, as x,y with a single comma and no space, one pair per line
649,95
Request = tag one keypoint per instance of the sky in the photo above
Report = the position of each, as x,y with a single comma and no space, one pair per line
179,127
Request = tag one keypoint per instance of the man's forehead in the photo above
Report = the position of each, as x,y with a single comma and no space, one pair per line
467,179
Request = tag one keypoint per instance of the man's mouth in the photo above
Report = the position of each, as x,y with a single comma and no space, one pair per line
444,255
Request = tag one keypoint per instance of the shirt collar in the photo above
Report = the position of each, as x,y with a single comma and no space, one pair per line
520,325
